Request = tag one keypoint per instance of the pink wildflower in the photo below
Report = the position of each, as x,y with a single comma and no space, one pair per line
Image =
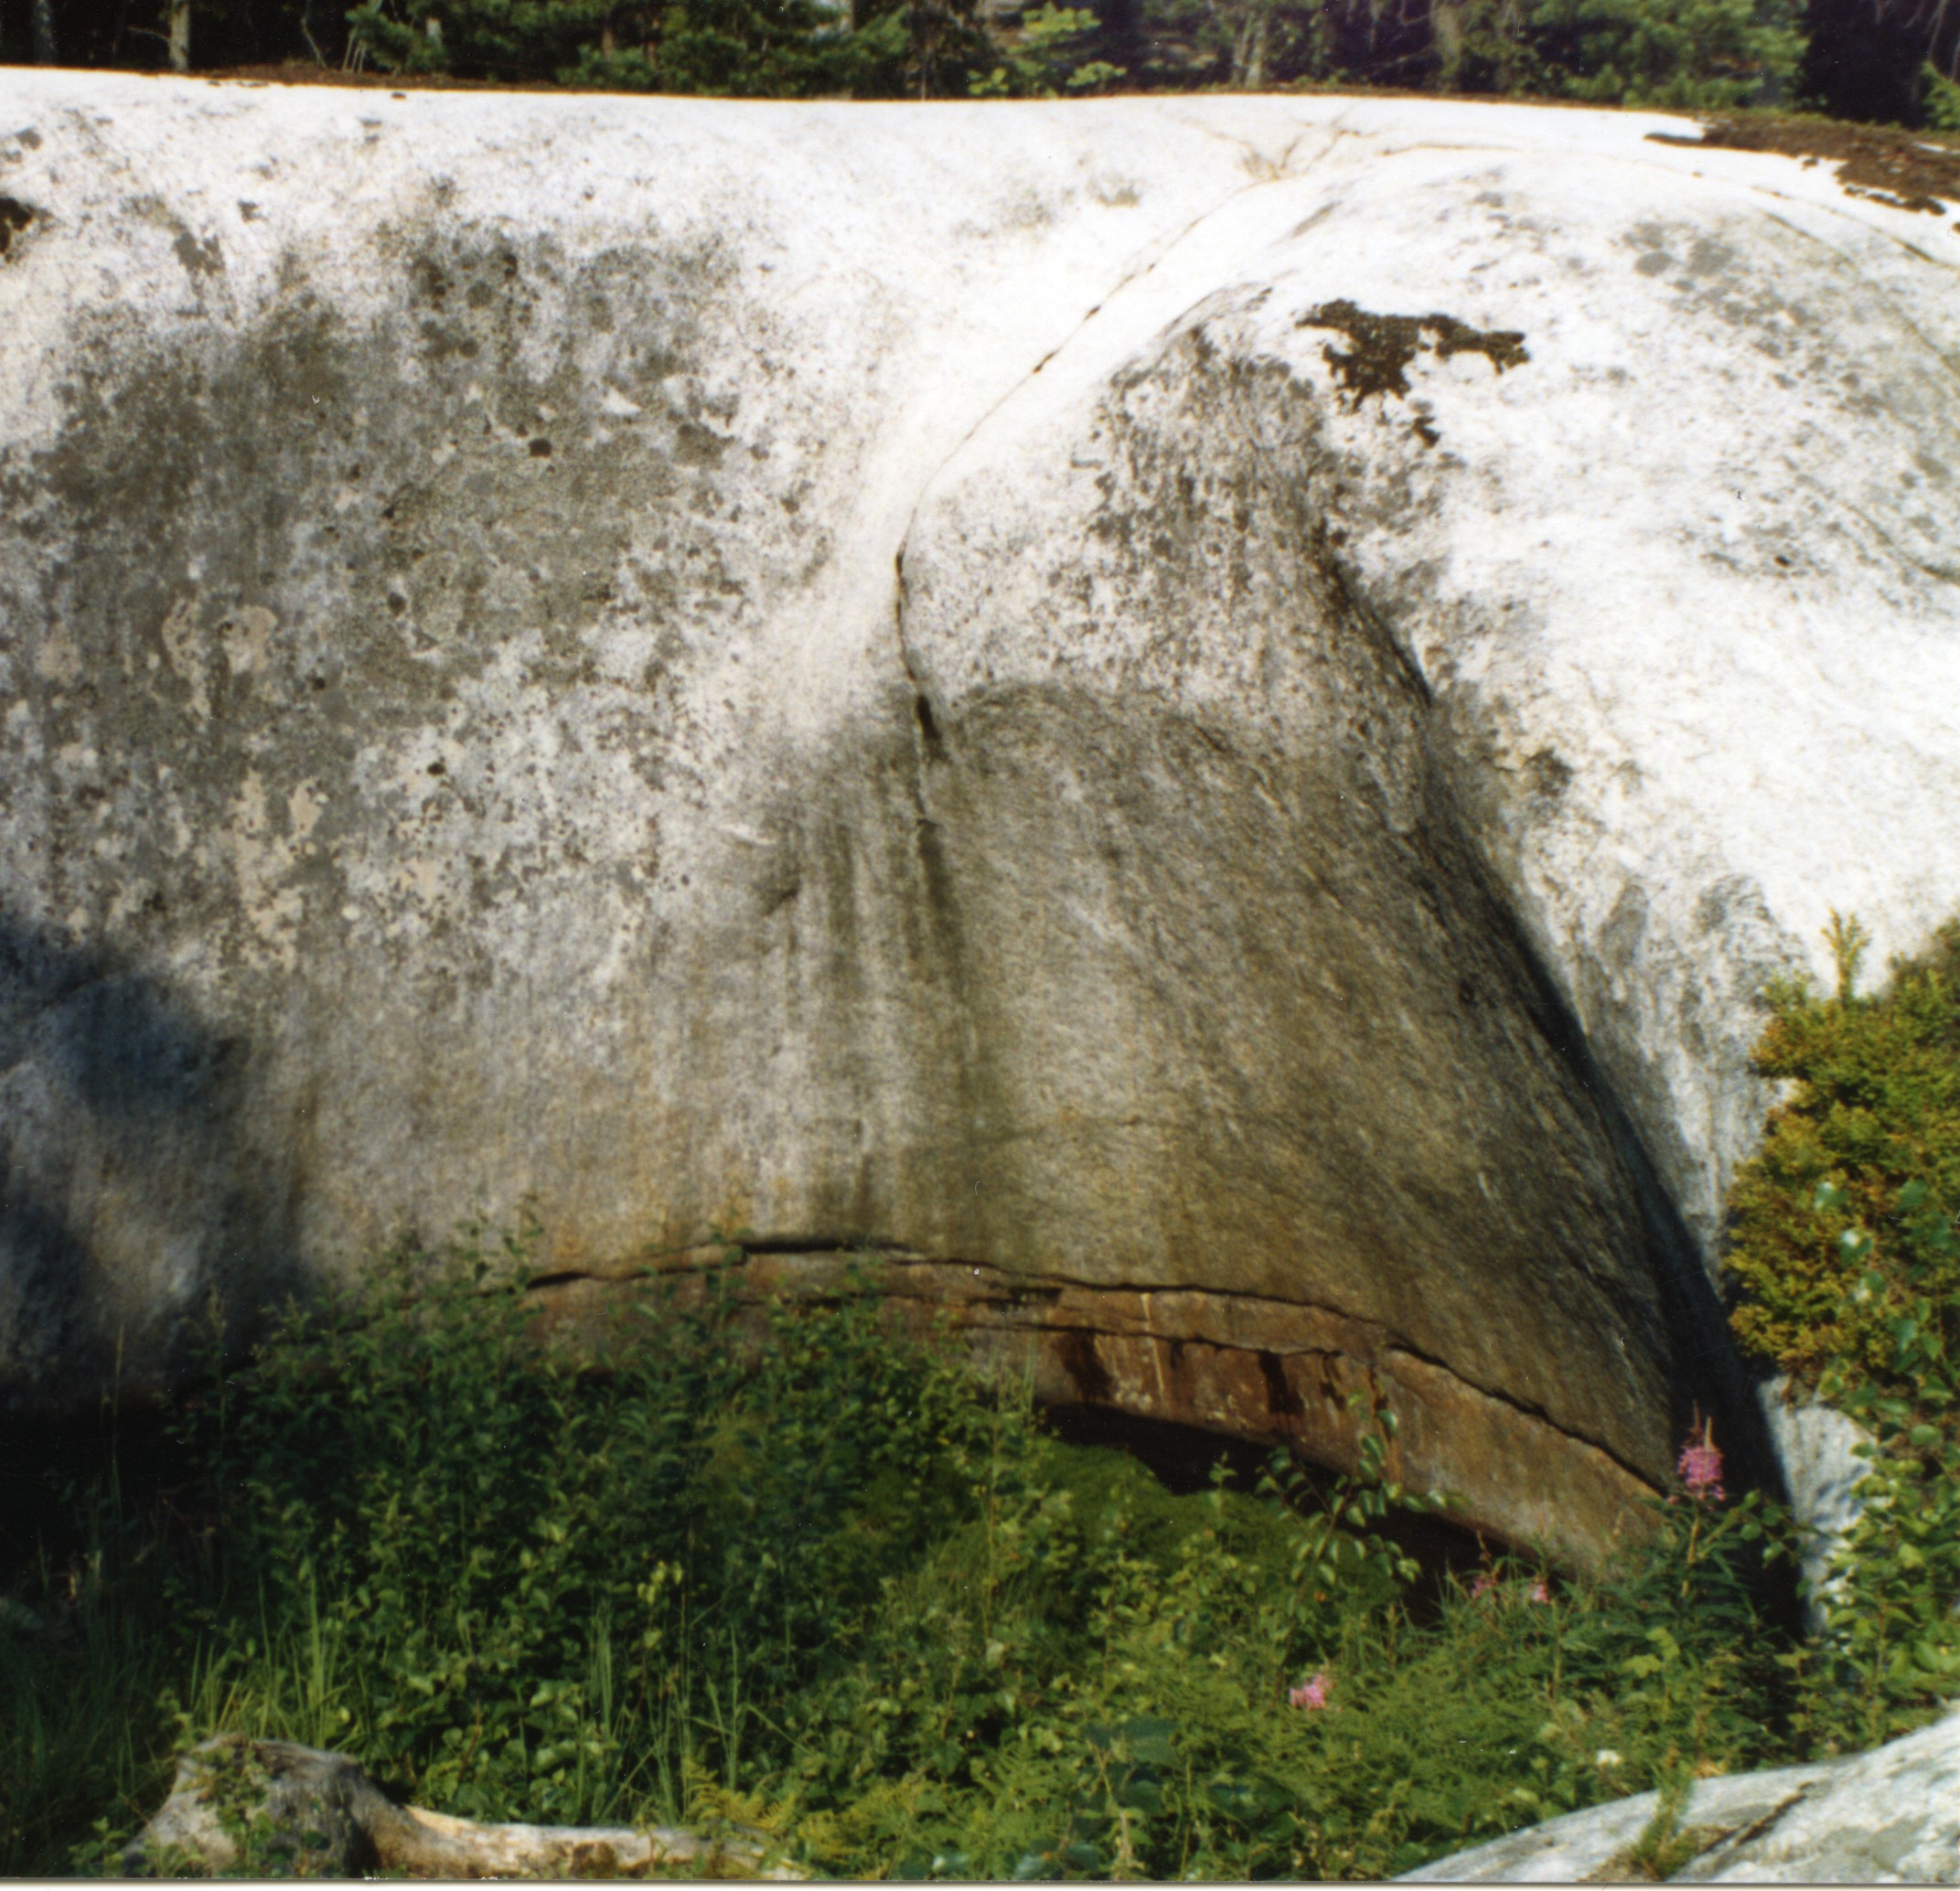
1486,1581
1539,1593
1700,1467
1311,1694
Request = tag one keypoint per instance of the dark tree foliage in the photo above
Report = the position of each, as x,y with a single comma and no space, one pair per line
130,34
1867,59
1689,54
1875,59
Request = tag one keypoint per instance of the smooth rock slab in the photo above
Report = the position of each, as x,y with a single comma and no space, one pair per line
1208,712
1888,1816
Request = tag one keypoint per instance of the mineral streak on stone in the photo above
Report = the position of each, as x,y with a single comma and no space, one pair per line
1270,1371
853,676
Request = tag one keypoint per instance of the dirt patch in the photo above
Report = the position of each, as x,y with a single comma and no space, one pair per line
1892,168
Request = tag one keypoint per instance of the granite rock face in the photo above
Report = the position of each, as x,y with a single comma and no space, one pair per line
1197,719
1888,1816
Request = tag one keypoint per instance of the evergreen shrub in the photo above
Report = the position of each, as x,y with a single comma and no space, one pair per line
1844,1247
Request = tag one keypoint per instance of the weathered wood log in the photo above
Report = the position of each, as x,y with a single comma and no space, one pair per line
270,1805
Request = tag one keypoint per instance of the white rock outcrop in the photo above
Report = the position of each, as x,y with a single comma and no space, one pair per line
1888,1816
1200,718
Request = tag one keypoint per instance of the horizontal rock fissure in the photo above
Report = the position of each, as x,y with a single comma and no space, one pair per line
999,1288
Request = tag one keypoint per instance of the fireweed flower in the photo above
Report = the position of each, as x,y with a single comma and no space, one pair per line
1700,1467
1539,1593
1311,1694
1486,1581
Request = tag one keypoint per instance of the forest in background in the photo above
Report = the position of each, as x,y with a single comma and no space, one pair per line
1884,61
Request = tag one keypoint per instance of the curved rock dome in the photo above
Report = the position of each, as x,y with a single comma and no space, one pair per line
1198,719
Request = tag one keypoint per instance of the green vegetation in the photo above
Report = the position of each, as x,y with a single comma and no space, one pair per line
822,1582
1941,100
783,1570
726,49
1683,55
1844,1244
1857,58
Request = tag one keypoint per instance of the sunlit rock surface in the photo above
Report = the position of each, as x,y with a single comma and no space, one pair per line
1888,1816
1198,718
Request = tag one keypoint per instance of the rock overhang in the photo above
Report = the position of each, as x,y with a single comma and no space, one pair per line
866,674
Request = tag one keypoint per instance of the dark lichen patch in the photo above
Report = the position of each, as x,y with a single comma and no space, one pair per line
1380,349
1548,772
1887,166
199,257
14,217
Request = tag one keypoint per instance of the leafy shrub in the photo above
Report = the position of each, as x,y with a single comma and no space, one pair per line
1842,1225
1040,60
1682,54
1942,99
1843,1244
824,1583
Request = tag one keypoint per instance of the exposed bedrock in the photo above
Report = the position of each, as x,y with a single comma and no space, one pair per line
1199,720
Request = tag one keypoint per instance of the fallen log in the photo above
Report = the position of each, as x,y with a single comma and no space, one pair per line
271,1807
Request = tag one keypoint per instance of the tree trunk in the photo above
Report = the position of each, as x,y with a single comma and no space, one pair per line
1446,31
44,32
179,17
298,1796
1251,42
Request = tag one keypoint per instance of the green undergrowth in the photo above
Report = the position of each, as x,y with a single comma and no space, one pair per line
819,1582
1843,1246
832,1588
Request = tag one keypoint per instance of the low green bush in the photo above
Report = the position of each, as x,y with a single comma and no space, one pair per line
823,1581
830,1585
1677,55
1942,99
1843,1244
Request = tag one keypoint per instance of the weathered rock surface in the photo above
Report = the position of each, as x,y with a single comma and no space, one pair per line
1888,1816
1198,718
1825,1457
269,1805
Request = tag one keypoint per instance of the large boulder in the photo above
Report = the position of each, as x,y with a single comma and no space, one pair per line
1200,720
